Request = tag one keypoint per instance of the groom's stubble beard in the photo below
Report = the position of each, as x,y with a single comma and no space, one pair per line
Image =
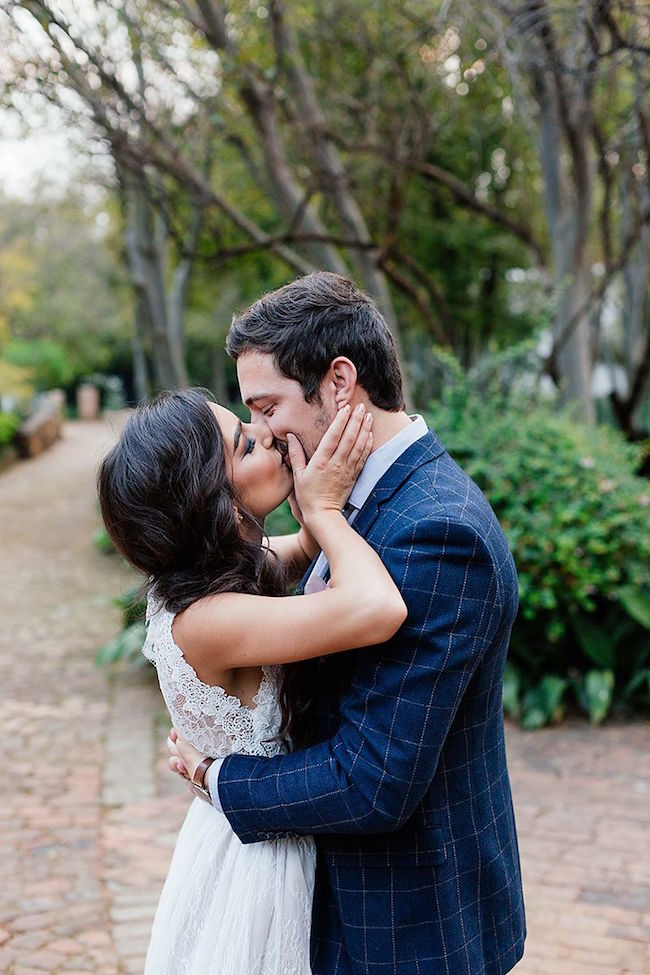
322,421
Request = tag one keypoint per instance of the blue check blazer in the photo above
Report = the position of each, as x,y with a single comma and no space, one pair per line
406,788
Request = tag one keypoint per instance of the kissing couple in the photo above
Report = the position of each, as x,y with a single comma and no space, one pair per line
344,738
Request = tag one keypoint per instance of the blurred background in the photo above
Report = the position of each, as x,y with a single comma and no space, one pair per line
481,169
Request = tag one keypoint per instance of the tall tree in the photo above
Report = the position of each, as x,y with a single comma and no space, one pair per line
571,67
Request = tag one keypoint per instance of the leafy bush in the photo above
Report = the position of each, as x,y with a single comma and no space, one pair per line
103,542
9,423
577,517
126,647
281,521
15,383
48,362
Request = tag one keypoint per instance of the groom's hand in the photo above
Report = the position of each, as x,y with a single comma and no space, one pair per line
184,758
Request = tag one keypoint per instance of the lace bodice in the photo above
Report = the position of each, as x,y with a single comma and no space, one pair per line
215,722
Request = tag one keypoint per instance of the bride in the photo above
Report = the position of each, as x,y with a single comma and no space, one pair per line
184,494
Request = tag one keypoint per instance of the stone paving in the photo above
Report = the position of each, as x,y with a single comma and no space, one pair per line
89,812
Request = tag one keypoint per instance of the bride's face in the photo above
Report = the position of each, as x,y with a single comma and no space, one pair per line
258,475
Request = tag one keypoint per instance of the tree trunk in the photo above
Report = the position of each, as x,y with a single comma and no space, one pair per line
219,384
567,198
141,381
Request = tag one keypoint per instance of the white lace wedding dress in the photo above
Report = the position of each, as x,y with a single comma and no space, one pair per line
226,908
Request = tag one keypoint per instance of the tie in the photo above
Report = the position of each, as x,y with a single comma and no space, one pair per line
317,581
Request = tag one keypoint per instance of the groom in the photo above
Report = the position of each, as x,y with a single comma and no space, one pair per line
405,786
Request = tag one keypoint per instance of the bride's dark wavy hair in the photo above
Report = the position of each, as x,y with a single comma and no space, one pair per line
169,508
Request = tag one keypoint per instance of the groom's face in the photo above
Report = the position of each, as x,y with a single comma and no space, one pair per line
280,403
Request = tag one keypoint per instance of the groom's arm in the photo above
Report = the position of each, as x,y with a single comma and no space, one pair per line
371,775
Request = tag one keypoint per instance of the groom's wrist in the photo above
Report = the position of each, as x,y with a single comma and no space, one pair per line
212,783
198,783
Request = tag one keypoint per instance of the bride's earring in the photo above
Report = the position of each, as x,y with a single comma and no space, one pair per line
239,515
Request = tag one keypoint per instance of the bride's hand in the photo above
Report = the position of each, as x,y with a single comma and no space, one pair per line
324,484
184,758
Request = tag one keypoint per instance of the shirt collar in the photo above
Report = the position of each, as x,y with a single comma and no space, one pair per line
383,458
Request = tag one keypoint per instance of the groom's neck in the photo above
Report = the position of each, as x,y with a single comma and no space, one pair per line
386,425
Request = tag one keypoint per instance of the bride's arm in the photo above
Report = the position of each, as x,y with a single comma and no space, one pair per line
361,607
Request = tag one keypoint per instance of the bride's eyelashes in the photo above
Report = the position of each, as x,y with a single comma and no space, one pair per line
249,444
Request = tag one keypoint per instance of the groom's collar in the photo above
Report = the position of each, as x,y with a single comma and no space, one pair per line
424,450
382,459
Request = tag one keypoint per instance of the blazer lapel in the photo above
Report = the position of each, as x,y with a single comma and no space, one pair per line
424,450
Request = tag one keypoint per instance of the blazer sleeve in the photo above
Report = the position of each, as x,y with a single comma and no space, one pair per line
397,710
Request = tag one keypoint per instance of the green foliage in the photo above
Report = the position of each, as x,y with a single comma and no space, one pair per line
281,521
47,361
595,693
577,517
15,381
543,703
126,647
133,605
9,423
512,691
103,542
64,306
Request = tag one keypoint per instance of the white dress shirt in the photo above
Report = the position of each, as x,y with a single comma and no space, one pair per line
373,470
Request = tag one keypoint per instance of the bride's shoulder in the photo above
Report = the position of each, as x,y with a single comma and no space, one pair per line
212,621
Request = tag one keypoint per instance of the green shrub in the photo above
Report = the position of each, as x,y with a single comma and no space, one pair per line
48,362
281,521
126,647
9,423
103,542
577,518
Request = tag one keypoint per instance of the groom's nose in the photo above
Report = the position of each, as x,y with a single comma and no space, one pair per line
263,434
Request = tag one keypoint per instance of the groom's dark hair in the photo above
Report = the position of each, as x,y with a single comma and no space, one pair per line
308,323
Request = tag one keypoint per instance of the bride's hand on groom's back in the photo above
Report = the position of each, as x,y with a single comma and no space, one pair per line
324,484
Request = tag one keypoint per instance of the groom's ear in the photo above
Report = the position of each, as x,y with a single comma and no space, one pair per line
343,379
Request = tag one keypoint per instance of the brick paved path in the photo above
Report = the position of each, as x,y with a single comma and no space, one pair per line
89,812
